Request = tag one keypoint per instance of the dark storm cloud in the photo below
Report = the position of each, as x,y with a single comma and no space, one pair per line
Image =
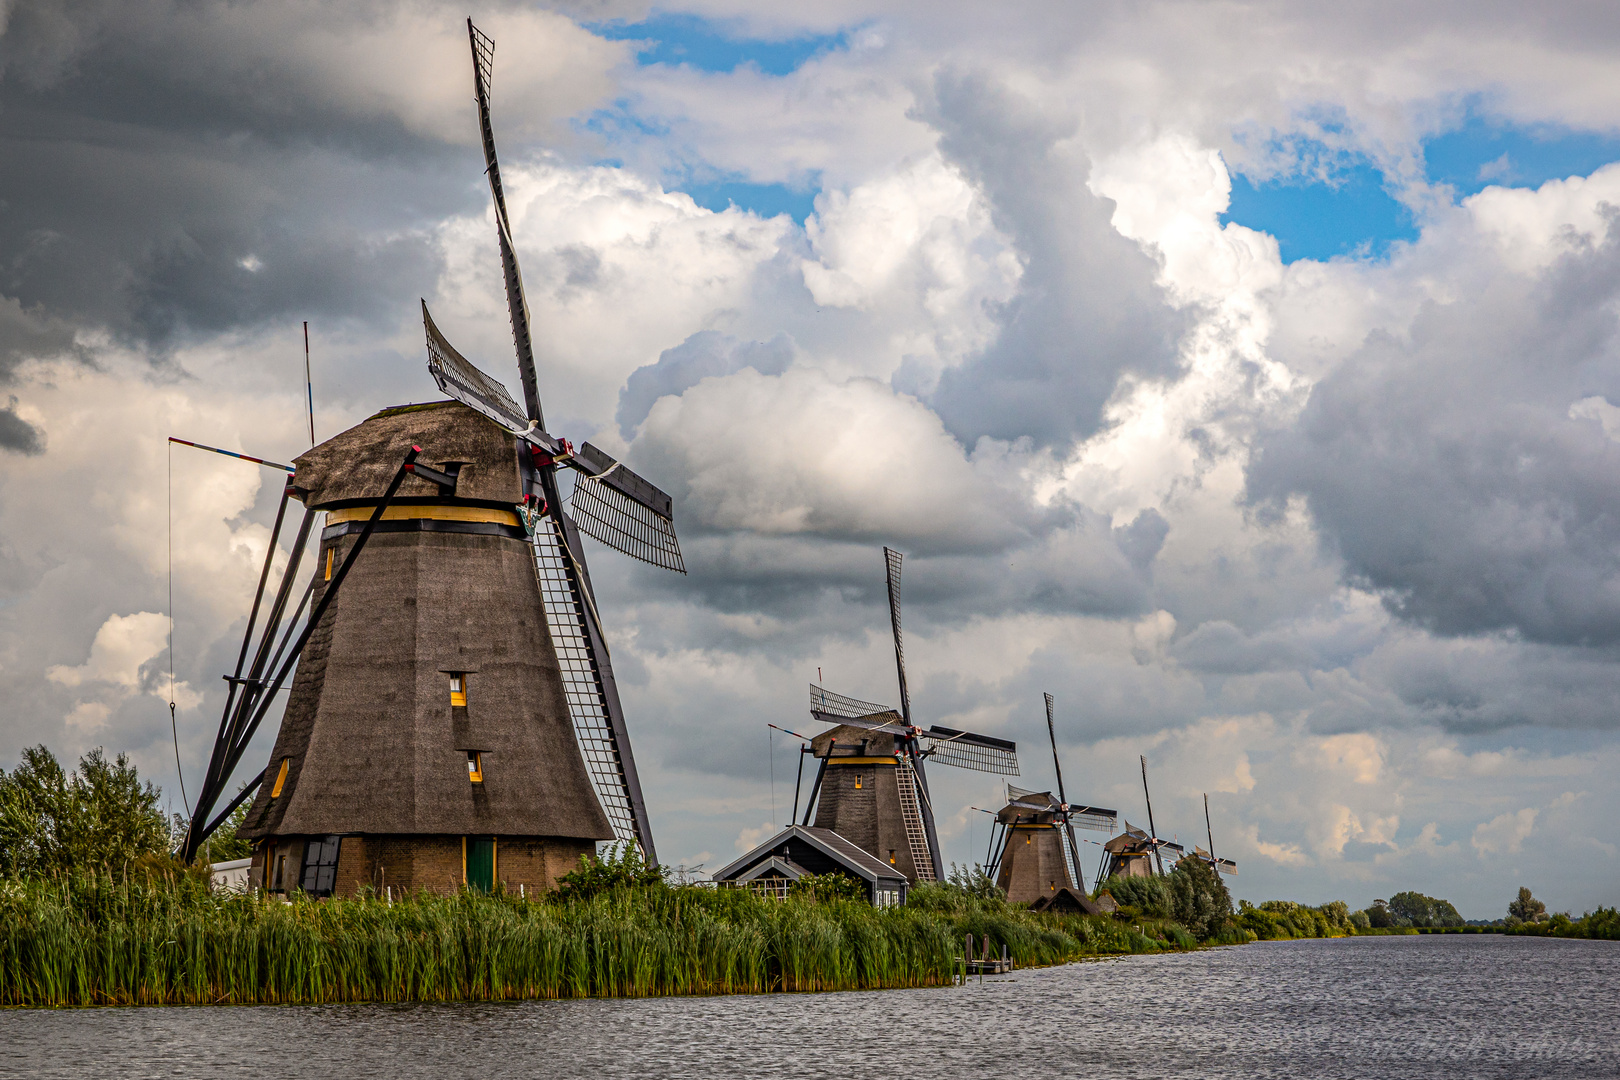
165,170
1445,468
1088,308
17,434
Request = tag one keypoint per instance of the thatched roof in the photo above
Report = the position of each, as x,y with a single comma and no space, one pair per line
356,465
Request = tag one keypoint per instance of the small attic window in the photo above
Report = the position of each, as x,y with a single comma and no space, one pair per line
281,779
475,766
857,781
458,690
329,552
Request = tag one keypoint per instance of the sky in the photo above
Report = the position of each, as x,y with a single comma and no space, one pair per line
1245,375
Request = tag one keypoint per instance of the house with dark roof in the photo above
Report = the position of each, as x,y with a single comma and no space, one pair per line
799,850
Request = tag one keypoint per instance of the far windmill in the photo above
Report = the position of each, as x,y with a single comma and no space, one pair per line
870,787
1134,853
1225,866
454,720
1038,859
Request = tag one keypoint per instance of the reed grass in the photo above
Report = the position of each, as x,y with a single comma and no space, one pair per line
90,941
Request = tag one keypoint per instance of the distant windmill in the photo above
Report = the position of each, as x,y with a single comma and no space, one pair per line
1038,854
455,715
870,787
1135,853
1225,866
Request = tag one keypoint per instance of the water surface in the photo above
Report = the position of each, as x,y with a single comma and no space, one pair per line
1407,1007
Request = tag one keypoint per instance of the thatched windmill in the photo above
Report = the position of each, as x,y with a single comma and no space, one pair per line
454,719
1037,856
871,788
1134,853
1224,866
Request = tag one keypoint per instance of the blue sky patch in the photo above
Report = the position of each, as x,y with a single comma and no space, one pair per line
708,45
766,200
1483,152
1350,214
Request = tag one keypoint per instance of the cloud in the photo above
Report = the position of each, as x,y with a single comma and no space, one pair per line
1506,833
1441,460
706,354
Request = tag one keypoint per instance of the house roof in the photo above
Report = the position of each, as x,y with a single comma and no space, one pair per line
826,841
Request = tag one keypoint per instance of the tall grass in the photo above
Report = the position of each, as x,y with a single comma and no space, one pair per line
91,941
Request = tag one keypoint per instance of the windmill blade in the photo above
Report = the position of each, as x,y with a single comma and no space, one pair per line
965,750
460,378
865,723
891,561
824,700
1093,817
589,687
627,513
483,52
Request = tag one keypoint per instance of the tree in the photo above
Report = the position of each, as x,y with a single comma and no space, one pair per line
1527,908
101,816
1199,900
1423,910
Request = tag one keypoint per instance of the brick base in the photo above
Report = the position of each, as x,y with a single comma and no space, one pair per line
434,863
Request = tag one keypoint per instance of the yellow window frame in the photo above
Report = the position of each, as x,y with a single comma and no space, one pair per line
281,778
475,766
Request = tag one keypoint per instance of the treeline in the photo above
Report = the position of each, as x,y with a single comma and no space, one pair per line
93,939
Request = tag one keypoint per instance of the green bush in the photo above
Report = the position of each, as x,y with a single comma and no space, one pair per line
1146,896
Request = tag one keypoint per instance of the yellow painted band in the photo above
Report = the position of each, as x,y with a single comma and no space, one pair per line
434,513
1034,825
862,761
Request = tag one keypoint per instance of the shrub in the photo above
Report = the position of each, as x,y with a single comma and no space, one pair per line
1147,896
621,868
53,822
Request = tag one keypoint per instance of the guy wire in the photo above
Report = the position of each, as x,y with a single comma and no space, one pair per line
174,726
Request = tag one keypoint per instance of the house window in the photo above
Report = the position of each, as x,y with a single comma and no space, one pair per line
475,766
891,856
320,865
772,885
281,779
458,690
857,781
280,873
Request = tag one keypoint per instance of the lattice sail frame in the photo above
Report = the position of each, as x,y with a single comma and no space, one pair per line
582,681
963,751
824,700
625,525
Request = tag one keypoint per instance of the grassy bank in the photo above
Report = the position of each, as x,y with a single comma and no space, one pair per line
90,941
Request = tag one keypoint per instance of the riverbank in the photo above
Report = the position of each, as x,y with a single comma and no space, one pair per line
91,941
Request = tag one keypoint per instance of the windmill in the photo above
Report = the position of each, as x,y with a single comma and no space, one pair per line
1224,866
454,716
871,787
1038,854
1134,853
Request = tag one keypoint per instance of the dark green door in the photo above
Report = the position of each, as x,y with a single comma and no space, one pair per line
481,862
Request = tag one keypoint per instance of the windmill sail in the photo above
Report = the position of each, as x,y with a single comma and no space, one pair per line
483,51
825,701
460,378
965,750
623,511
559,558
